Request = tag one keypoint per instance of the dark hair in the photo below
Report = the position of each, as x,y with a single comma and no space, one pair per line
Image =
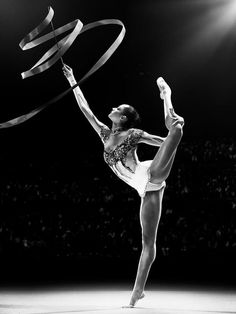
133,118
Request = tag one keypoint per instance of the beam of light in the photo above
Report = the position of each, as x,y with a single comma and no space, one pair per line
209,25
217,23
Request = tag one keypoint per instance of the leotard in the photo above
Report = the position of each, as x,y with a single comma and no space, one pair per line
124,162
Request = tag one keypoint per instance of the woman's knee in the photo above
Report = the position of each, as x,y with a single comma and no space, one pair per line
149,243
150,250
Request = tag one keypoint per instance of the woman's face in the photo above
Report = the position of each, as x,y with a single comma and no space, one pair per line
117,114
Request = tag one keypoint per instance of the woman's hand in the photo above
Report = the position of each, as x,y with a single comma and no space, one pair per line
68,72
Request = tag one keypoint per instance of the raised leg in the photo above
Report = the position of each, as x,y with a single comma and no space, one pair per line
169,113
163,161
150,213
164,158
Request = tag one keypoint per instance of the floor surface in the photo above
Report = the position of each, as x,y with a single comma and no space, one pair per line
72,299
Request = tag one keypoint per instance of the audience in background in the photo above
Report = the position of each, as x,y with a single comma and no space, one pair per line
55,215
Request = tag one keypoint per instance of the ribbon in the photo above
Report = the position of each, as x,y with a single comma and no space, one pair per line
57,51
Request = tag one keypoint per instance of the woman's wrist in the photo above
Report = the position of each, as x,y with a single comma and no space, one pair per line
72,80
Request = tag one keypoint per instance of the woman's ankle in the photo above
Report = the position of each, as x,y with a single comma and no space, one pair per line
137,294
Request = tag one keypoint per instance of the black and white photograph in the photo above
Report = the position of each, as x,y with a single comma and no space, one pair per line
118,156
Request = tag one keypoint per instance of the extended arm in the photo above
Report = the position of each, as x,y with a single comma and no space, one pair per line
152,140
82,102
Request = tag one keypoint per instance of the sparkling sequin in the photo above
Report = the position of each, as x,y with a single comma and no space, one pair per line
123,155
121,150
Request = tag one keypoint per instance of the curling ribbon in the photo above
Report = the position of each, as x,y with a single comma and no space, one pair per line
58,50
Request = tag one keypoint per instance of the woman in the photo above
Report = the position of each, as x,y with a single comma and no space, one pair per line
148,177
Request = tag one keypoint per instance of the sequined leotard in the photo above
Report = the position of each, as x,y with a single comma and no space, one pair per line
124,162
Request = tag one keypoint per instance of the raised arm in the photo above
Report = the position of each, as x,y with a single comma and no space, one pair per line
82,102
150,139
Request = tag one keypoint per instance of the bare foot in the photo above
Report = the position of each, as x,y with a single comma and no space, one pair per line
136,295
163,87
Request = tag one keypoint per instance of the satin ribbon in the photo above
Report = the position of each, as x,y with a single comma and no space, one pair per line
57,51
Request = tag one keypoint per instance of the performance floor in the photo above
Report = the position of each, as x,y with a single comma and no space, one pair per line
72,299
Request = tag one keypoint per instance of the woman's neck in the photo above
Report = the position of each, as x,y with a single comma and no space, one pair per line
116,129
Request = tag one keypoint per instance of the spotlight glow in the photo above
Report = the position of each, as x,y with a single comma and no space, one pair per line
217,22
226,15
212,25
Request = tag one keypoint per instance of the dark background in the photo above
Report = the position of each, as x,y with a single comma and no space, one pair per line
63,213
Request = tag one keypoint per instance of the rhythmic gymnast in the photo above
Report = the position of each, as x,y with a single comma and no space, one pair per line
147,177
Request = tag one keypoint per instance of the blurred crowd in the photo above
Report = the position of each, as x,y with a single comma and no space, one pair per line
92,213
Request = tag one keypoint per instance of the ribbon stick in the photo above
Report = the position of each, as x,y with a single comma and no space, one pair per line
56,53
55,37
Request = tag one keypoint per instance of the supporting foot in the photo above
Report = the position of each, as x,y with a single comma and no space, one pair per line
136,295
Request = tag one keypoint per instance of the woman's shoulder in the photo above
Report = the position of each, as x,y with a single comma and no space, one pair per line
105,132
136,134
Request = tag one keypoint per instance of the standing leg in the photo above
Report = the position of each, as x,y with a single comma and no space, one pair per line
150,213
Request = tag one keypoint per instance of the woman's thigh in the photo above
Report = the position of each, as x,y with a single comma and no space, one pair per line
150,215
163,160
157,176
